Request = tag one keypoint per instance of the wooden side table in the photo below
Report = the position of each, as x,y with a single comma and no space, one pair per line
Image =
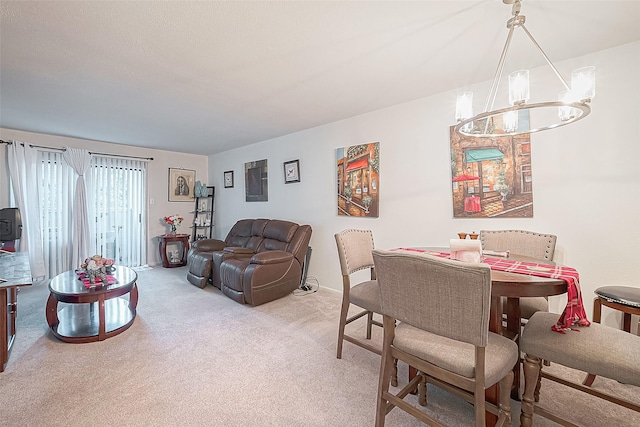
177,257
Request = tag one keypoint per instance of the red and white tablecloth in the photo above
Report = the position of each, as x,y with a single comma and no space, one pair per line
573,314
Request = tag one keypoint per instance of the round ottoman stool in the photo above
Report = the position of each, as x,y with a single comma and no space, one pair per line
622,298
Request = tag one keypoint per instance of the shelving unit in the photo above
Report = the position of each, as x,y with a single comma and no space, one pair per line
202,227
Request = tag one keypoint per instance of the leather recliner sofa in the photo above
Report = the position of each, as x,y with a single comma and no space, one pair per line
259,261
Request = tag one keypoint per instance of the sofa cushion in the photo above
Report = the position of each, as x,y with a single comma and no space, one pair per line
277,235
247,233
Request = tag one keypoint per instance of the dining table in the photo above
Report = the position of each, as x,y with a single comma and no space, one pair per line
508,287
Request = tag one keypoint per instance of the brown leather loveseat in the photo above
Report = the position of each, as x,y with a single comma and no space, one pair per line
259,261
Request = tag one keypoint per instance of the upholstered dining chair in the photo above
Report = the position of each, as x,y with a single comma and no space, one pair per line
524,243
601,350
436,319
354,251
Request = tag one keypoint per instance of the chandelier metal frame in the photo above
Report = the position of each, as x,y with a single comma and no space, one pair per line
468,126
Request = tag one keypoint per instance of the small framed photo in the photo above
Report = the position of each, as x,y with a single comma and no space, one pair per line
291,171
181,184
228,179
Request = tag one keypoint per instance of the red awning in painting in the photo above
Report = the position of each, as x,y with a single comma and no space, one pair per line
465,177
358,164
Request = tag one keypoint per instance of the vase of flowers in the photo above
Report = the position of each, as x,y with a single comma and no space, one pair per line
173,221
97,267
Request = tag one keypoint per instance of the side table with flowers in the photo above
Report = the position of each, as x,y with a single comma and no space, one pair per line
173,249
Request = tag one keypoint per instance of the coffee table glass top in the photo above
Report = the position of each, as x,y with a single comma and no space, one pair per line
67,283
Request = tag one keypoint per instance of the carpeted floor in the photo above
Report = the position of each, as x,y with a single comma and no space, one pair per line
195,357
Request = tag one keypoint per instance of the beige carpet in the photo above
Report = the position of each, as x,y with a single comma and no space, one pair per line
194,357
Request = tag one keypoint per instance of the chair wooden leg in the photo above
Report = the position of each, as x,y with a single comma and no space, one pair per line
343,321
626,322
531,367
369,324
597,314
589,379
504,414
386,366
394,373
536,392
422,391
479,407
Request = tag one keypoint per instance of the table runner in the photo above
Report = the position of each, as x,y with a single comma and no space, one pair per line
573,314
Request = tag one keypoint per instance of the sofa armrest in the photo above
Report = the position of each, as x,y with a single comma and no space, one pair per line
208,245
239,250
271,257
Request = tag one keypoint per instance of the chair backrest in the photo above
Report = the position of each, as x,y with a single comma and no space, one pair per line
354,250
520,242
441,296
247,233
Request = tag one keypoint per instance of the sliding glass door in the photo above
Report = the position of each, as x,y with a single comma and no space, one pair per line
116,195
117,202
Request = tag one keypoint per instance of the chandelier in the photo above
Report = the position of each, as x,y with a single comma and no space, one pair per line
571,105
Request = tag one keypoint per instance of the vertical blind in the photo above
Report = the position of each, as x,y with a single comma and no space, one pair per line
116,194
117,209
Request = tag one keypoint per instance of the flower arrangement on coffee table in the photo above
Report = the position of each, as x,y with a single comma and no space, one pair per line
174,221
94,271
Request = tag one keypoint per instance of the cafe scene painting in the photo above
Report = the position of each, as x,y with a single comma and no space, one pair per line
491,177
358,171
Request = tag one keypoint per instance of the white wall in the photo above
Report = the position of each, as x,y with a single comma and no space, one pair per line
586,179
157,178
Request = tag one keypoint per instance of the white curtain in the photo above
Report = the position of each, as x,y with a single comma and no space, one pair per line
23,161
56,180
118,209
80,160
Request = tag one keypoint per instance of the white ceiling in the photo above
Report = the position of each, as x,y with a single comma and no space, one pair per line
205,77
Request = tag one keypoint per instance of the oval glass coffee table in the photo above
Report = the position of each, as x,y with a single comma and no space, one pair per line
94,314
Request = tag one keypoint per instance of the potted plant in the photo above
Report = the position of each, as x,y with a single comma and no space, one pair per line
366,201
348,193
502,187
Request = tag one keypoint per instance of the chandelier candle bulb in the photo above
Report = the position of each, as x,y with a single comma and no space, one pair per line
583,83
464,109
565,112
510,121
519,87
464,106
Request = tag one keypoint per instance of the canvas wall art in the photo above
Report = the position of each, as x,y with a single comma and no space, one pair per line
491,177
256,181
358,171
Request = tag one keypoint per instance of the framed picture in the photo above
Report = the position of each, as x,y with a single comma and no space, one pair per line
256,181
358,171
181,184
228,179
291,171
211,191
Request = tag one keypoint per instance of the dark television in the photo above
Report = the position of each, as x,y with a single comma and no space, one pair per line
10,224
